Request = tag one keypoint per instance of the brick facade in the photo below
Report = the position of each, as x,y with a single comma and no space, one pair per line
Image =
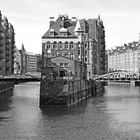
7,44
80,40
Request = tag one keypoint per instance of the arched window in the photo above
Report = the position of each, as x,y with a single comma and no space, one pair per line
55,45
71,45
60,45
66,45
71,55
79,45
48,45
66,54
48,55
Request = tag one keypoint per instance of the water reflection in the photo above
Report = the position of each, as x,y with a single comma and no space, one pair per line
122,101
117,112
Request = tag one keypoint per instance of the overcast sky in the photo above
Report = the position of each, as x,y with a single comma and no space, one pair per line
30,18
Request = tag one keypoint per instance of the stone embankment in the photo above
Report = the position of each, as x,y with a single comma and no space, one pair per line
68,92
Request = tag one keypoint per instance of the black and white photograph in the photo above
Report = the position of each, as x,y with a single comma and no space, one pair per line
69,70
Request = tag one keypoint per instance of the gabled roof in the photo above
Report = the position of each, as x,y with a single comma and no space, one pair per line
61,23
23,49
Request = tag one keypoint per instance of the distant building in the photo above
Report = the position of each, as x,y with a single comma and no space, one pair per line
78,40
39,62
17,61
31,63
7,44
125,58
23,53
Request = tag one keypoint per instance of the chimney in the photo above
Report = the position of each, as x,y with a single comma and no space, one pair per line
51,21
74,19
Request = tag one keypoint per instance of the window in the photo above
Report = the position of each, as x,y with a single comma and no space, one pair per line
61,65
66,54
66,65
71,55
86,53
48,54
51,32
63,31
71,45
45,46
48,45
79,45
66,45
85,45
55,46
63,34
60,45
78,52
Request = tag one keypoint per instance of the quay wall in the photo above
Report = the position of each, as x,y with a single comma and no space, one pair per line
68,92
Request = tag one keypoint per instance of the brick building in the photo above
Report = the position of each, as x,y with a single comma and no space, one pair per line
124,58
17,61
31,63
7,44
78,40
39,62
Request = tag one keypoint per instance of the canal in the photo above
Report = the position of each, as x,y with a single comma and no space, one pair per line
114,116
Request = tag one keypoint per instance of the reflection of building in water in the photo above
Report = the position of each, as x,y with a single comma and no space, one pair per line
125,58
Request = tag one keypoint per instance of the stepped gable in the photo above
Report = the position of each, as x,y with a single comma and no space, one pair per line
62,22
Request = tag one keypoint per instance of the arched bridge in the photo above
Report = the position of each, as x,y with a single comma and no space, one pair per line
119,76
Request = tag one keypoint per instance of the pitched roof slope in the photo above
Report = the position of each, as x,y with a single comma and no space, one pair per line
61,22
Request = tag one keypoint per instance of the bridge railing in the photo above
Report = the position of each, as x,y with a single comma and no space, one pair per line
122,76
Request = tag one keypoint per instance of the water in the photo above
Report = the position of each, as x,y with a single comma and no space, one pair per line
115,116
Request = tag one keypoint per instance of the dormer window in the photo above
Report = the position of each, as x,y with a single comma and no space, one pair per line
63,31
51,32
